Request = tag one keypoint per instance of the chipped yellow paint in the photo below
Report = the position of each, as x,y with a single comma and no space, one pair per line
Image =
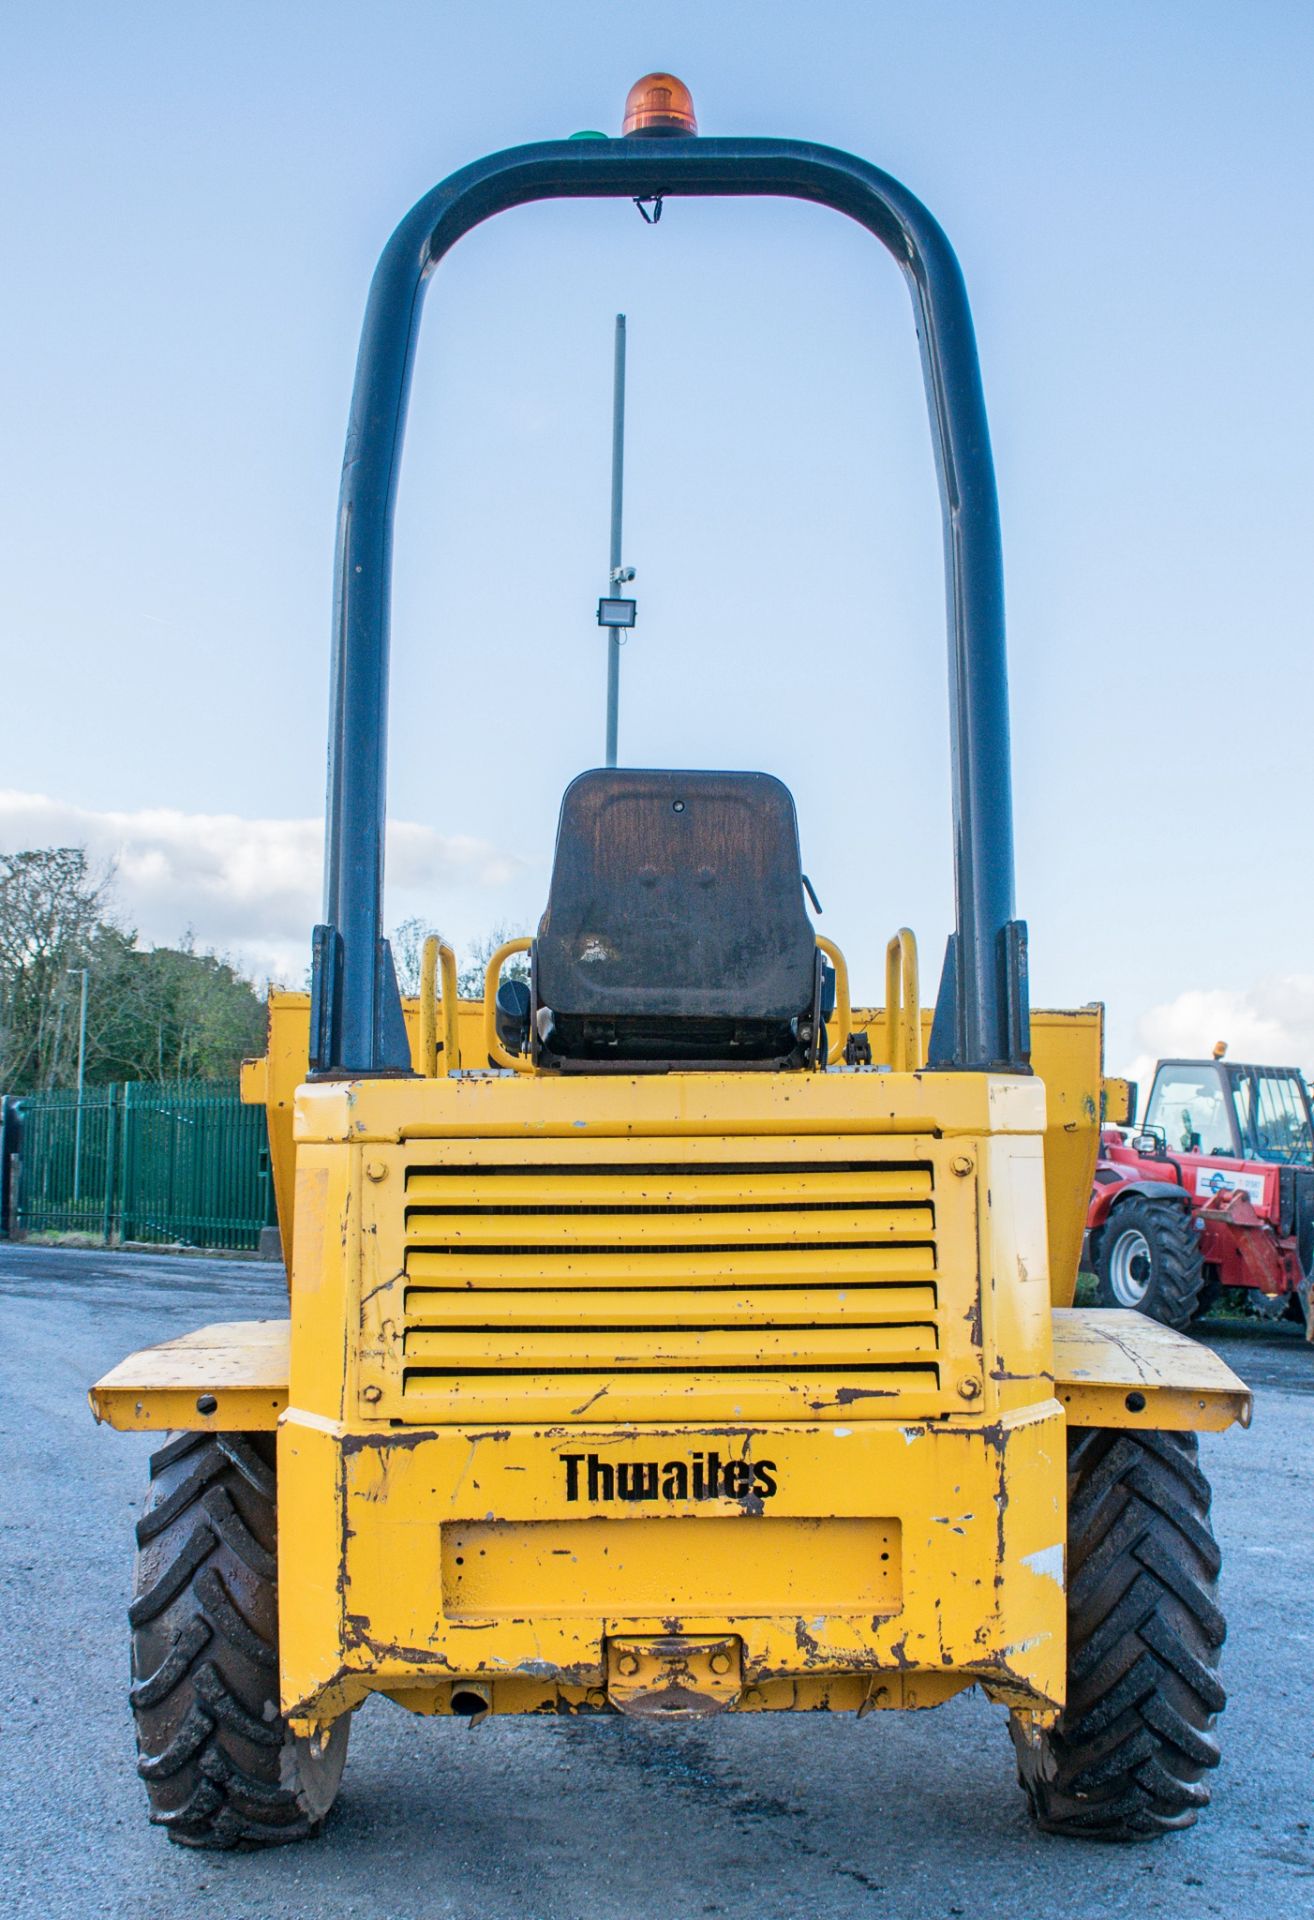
675,1675
224,1379
1066,1056
1111,1369
271,1082
801,1578
1115,1368
1067,1050
686,1566
908,1689
753,1366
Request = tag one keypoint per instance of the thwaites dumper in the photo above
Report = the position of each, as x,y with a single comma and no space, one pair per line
665,1338
1215,1189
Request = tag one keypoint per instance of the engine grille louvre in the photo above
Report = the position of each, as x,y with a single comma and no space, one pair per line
754,1287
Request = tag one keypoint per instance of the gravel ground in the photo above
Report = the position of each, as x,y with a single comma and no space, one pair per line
769,1817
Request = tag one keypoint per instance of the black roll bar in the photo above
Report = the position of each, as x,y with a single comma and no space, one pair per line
356,1028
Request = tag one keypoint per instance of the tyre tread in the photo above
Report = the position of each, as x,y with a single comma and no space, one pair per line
1177,1263
1130,1754
220,1764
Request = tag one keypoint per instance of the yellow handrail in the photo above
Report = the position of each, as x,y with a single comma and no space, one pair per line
843,1003
437,954
903,1011
497,1053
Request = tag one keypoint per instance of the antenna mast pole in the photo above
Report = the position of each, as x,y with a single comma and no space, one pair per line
614,581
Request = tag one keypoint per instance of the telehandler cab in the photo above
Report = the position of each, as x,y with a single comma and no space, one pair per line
1214,1189
668,1338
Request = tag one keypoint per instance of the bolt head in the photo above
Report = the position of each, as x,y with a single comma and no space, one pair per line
628,1663
720,1663
969,1388
961,1165
375,1170
372,1393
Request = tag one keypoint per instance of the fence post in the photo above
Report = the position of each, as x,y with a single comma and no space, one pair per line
126,1196
111,1163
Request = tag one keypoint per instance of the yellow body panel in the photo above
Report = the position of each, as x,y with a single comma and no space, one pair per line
589,1316
271,1081
880,1553
1101,1359
753,1377
241,1366
1066,1056
620,1390
1114,1368
1067,1051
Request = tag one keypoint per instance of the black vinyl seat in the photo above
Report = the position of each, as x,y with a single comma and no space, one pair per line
675,927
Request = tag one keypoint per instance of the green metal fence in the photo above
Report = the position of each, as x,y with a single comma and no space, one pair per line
185,1163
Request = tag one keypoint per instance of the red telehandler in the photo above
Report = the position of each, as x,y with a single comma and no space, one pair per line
1214,1189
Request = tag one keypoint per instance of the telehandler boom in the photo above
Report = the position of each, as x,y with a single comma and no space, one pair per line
666,1337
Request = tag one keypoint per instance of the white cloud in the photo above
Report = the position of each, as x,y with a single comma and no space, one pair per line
250,889
1271,1024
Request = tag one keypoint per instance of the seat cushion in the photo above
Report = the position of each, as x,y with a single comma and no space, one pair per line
676,895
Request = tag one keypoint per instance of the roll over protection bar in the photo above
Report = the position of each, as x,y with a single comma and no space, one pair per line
355,1025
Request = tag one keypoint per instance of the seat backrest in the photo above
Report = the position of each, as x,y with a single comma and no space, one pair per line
676,896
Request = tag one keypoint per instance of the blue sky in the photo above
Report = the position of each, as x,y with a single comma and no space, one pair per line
195,199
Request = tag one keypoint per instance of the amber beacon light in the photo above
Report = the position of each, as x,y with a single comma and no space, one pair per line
659,104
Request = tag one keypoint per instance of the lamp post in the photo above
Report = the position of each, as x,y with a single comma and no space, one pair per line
616,613
82,1075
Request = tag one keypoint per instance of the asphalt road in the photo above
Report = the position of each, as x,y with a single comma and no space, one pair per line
768,1817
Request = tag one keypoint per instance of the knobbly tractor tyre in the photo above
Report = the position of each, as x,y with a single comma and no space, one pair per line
1132,1749
1149,1259
221,1766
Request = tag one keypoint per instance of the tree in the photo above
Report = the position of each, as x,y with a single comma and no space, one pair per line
470,979
165,1014
407,942
175,1014
50,923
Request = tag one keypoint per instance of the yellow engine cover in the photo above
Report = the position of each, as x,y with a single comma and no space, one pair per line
691,1361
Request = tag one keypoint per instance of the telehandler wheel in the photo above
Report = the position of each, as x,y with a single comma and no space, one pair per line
1128,1756
222,1768
1149,1258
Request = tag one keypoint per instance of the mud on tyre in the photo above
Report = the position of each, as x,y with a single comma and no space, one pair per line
1130,1755
221,1766
1149,1258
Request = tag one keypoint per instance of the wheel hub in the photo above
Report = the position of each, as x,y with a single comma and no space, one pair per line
1130,1268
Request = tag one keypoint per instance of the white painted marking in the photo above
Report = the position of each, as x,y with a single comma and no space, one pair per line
1047,1561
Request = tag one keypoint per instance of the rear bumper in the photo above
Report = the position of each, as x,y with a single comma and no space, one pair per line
378,1526
872,1564
1111,1369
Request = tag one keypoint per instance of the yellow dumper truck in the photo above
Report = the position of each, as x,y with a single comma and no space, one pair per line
667,1337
